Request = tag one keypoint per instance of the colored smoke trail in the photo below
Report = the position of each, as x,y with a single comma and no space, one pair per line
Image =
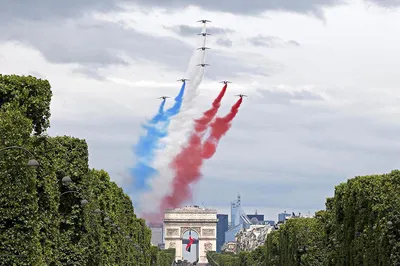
157,118
189,162
174,110
219,128
155,129
181,126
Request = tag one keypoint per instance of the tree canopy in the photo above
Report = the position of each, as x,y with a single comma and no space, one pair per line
42,220
360,226
29,95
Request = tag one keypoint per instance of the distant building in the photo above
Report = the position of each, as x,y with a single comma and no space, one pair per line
282,216
229,247
222,227
256,218
157,233
230,235
235,212
239,220
270,222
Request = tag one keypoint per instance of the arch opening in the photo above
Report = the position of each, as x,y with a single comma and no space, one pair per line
193,254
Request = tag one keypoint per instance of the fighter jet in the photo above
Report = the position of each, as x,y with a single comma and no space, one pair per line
203,65
225,82
183,80
241,95
163,97
204,21
204,34
203,48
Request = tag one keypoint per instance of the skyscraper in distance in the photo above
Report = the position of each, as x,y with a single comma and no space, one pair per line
222,227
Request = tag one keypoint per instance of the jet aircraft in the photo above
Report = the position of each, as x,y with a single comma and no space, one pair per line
225,82
183,80
241,95
204,34
203,48
204,21
163,97
203,65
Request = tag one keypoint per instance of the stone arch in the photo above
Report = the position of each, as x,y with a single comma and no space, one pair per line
202,222
185,229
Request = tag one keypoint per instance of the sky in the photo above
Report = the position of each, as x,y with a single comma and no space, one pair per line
321,76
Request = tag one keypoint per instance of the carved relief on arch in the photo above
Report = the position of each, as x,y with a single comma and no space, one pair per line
172,245
195,229
208,246
172,231
208,232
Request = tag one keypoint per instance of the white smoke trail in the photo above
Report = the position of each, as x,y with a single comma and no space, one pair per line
180,127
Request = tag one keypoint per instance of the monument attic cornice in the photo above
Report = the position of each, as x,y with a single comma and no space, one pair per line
196,221
191,209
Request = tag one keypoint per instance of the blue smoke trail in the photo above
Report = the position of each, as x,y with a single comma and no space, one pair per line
156,129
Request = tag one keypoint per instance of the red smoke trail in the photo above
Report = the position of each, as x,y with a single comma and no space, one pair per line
219,127
188,163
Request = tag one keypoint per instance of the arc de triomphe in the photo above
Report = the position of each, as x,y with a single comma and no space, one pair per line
202,221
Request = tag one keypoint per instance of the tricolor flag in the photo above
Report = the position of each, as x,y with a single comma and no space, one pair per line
191,240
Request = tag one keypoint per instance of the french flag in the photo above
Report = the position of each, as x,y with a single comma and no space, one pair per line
191,240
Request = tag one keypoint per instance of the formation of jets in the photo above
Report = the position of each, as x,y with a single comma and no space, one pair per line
204,21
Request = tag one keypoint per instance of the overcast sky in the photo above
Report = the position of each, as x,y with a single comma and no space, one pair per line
321,75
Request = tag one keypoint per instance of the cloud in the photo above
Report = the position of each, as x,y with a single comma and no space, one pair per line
223,64
385,3
98,44
224,42
49,10
283,97
185,30
271,41
294,43
243,7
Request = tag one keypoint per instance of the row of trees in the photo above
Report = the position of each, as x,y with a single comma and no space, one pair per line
360,226
45,221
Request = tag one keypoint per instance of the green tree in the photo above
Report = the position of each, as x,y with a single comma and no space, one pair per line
37,219
19,219
29,95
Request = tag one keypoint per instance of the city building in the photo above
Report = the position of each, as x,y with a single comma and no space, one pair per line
282,216
222,227
239,220
231,233
256,218
157,233
235,206
270,222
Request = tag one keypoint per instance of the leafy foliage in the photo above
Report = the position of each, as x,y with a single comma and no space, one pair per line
30,95
42,221
165,257
19,227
